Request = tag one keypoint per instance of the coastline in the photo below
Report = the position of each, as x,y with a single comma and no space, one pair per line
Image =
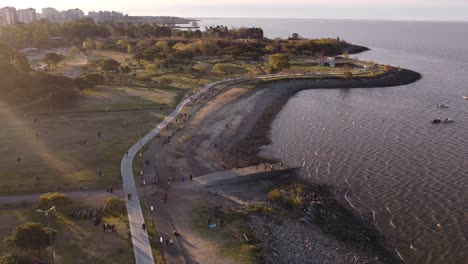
224,131
278,93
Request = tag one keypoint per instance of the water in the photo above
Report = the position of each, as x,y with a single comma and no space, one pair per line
377,145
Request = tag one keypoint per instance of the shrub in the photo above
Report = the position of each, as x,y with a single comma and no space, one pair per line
220,68
151,68
114,206
274,195
61,202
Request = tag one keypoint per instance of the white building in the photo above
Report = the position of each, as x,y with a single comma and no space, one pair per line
51,14
103,16
10,16
73,14
27,16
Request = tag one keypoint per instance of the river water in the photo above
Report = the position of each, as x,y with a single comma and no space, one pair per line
406,175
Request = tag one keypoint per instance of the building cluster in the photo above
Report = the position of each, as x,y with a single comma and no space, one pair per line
11,16
56,16
104,16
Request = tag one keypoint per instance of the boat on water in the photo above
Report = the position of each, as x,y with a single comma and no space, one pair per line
448,121
465,97
445,121
442,106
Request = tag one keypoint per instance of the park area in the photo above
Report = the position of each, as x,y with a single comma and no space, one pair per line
77,228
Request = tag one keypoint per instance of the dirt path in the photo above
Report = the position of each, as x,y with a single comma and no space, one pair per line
190,152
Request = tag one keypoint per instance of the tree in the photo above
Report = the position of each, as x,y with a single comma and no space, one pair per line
125,70
82,84
162,44
21,62
30,237
95,78
62,202
52,59
6,53
151,68
295,36
109,65
279,61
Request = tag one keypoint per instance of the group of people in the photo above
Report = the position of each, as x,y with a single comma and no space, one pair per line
108,227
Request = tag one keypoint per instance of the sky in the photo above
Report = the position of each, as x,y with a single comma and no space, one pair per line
432,10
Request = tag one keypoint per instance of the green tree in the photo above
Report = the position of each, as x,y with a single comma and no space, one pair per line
61,202
30,237
279,61
109,65
52,59
162,44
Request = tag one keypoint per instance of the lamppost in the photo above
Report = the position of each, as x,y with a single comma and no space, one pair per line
46,213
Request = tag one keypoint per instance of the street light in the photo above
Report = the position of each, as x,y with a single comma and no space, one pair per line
46,213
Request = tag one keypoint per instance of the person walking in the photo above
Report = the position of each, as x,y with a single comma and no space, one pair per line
143,226
129,196
104,227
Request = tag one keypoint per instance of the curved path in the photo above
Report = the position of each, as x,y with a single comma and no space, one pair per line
141,245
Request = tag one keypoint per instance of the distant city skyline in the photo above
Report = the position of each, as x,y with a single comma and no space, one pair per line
426,10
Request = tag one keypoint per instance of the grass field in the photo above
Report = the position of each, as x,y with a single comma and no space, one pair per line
77,241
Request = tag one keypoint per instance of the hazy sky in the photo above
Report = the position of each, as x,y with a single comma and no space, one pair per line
448,10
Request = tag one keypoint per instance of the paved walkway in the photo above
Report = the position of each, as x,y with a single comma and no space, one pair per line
141,245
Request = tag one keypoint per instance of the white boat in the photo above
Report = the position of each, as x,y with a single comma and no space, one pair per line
465,97
442,106
448,121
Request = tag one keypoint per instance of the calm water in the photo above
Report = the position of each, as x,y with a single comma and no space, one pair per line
377,145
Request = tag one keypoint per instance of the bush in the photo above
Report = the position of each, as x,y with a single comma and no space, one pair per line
114,206
220,68
14,259
144,79
62,203
274,195
151,68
